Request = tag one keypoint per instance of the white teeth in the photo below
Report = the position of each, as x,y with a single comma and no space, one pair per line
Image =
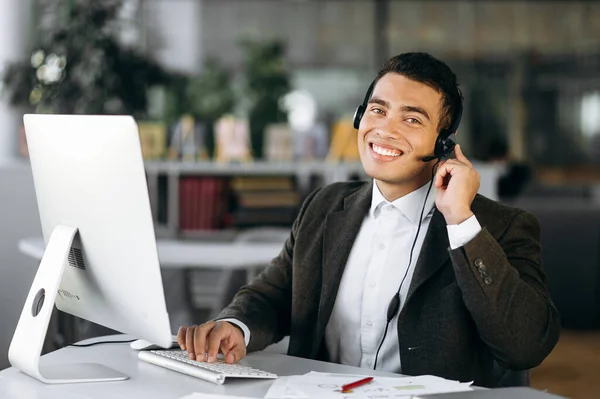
384,151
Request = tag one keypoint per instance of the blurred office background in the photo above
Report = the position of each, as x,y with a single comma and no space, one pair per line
245,106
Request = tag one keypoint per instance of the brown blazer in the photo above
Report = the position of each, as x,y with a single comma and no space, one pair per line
469,313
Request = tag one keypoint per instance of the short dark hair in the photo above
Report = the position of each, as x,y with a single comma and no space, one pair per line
426,69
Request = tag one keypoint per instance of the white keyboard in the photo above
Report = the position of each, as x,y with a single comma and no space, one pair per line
178,360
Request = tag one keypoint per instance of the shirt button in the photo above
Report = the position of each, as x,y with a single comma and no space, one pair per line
382,246
369,324
372,285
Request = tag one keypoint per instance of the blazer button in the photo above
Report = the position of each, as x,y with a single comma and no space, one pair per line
487,279
480,265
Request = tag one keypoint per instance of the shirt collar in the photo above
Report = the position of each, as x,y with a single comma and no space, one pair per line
409,205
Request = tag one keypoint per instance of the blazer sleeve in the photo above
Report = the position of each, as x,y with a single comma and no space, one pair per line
264,305
503,287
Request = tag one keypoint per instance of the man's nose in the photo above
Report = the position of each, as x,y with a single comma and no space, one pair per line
389,130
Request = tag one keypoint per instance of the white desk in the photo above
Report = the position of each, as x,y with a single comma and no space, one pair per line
176,254
152,382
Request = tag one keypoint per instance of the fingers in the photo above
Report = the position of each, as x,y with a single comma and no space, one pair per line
460,156
232,350
237,352
200,336
439,174
444,172
204,342
189,341
217,335
193,340
181,337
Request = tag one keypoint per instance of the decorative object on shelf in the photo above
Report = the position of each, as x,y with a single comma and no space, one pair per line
232,139
344,146
278,143
188,141
267,81
309,135
311,143
153,139
79,65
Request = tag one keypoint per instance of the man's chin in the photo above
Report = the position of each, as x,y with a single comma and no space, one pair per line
386,177
391,175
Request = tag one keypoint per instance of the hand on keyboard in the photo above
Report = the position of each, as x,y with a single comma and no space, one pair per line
210,338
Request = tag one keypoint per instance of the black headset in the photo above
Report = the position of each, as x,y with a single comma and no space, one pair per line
444,145
446,139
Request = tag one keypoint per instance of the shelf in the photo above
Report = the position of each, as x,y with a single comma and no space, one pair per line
252,168
304,173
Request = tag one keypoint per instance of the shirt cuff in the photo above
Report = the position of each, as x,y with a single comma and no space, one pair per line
241,325
460,234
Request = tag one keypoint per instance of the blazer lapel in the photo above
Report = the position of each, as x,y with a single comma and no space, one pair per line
434,252
341,229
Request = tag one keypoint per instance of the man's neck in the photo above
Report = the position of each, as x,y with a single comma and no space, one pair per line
393,191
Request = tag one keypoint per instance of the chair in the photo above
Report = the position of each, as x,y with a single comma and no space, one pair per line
211,290
511,378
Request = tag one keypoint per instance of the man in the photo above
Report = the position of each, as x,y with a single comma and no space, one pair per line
473,303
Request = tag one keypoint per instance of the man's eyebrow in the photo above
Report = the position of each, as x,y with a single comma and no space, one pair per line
377,100
412,108
403,108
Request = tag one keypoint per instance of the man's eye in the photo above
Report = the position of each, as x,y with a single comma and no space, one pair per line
377,111
413,121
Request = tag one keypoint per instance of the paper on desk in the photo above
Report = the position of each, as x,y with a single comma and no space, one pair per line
327,385
198,395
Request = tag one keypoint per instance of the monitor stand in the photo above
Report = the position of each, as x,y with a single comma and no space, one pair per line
26,346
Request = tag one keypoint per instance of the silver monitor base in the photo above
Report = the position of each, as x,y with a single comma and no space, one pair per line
26,346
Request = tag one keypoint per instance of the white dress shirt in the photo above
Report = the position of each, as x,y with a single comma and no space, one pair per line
376,265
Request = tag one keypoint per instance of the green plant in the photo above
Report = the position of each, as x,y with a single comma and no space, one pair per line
206,97
210,94
79,65
267,81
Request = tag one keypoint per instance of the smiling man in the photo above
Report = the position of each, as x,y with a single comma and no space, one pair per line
384,274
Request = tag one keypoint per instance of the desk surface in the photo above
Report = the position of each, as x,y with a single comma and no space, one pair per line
175,254
152,382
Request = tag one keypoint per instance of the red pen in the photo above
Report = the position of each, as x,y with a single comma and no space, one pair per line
356,384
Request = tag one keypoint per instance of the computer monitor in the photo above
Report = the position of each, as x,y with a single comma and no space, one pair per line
101,261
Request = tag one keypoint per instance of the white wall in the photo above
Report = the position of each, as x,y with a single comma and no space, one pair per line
19,218
15,23
174,30
18,208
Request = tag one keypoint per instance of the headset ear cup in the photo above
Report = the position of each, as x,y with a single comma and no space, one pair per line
444,145
358,114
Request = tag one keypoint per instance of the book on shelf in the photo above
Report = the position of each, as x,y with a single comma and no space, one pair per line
202,203
264,200
247,218
250,183
268,199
